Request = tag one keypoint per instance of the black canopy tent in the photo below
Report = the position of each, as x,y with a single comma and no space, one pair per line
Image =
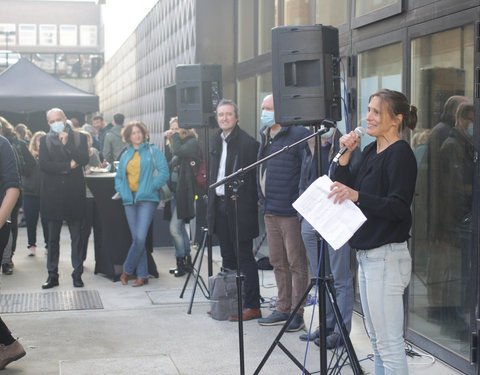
27,92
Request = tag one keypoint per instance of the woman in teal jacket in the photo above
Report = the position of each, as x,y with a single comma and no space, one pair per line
142,171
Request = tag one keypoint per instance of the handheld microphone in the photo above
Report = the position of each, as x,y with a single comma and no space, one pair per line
360,132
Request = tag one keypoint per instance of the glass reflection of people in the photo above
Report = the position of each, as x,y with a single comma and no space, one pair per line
452,267
183,147
138,189
430,182
382,186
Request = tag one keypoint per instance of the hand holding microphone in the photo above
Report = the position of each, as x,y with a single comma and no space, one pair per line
349,142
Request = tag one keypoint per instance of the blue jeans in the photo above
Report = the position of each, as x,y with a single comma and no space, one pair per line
179,233
383,275
139,217
337,264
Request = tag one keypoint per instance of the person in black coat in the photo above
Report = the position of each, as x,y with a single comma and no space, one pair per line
11,349
62,155
181,150
232,149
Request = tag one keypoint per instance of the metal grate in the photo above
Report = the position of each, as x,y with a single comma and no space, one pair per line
51,301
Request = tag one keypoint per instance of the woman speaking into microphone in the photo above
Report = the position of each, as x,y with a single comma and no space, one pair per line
382,186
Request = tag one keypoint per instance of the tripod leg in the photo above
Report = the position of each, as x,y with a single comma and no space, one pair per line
193,267
343,330
197,275
283,330
199,250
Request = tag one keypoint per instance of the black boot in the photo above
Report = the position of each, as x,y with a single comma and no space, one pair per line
180,265
77,280
51,282
188,266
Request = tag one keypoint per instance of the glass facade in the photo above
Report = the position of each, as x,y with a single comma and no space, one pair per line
27,35
363,7
245,30
439,298
377,68
48,35
298,12
331,12
267,19
68,35
246,105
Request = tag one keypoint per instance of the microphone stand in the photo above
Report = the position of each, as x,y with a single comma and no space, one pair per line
235,181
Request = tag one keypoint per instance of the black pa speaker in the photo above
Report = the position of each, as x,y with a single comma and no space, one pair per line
170,105
306,74
199,90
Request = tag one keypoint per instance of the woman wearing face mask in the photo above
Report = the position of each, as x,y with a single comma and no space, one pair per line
183,147
382,185
138,189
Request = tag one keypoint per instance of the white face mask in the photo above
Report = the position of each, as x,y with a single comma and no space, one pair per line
58,126
327,134
469,130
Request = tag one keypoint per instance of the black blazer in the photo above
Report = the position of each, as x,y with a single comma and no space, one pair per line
241,152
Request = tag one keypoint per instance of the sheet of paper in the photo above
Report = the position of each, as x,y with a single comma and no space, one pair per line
336,223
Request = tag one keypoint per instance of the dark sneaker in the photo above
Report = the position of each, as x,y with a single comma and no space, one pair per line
274,319
312,337
296,324
333,341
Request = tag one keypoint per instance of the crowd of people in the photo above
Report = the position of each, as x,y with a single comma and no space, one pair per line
380,181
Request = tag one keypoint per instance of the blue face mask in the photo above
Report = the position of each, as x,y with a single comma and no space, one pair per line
469,130
58,126
327,134
267,118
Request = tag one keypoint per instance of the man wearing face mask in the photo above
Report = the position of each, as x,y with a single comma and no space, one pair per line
62,155
277,186
337,262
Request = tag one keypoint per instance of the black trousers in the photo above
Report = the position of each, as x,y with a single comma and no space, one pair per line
248,265
92,219
54,229
6,337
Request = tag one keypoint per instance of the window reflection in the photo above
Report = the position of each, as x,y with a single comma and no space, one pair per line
331,12
377,68
267,19
442,72
245,30
246,104
363,7
67,65
298,12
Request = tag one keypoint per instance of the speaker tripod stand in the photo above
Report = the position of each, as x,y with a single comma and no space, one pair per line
198,279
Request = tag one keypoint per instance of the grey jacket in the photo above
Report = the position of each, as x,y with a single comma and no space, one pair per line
114,144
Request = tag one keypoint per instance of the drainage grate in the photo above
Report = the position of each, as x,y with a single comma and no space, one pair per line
51,301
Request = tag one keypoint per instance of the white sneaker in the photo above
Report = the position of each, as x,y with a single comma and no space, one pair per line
31,251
